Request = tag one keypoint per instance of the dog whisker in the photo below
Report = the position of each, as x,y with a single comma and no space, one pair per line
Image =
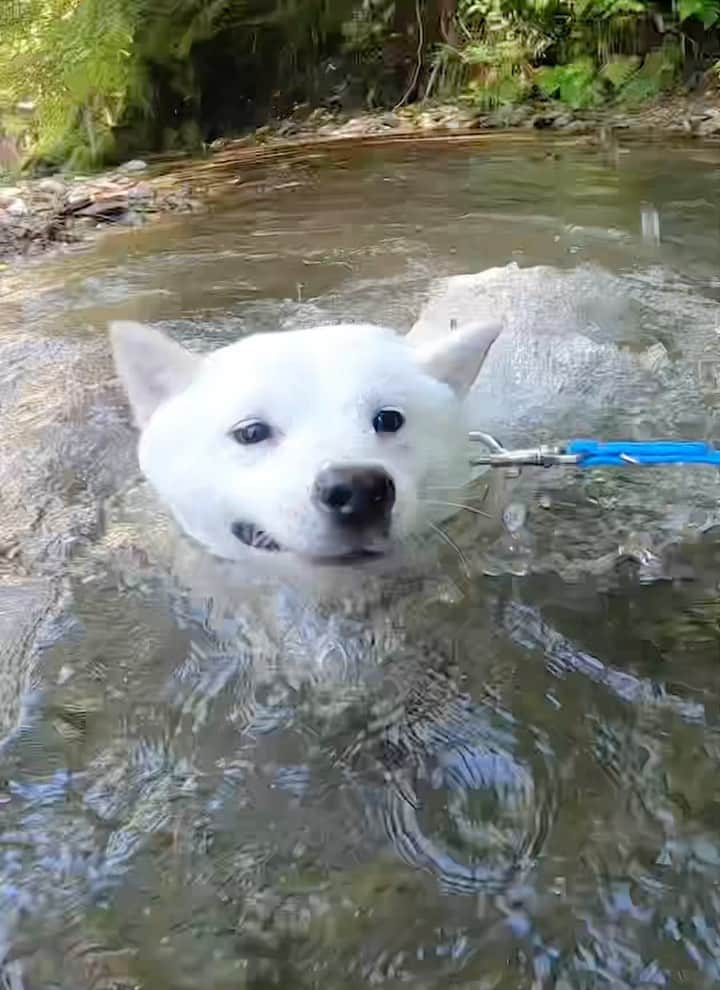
457,505
453,545
462,490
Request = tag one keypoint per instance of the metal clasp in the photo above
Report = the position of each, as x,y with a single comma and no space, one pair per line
499,456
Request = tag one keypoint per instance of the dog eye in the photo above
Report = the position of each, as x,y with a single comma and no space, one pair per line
254,431
388,421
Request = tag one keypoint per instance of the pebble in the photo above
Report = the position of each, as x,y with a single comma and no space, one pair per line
52,186
390,120
136,165
141,192
105,207
709,124
8,194
86,223
79,195
655,358
18,208
288,128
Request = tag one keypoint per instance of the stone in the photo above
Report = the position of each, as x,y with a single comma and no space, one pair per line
655,358
136,165
131,219
105,207
543,120
8,194
390,120
575,127
53,187
78,196
141,192
17,208
319,116
288,128
710,123
85,224
301,111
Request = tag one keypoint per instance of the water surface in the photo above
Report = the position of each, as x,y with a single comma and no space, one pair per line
506,781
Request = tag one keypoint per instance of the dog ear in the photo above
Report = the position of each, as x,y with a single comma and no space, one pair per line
151,366
457,358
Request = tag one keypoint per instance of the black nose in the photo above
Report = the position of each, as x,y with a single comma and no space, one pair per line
357,497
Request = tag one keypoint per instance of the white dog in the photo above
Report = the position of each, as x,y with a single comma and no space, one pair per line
324,446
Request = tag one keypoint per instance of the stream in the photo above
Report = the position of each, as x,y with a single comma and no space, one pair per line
501,779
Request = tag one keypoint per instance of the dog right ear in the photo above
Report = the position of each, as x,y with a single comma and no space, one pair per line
151,366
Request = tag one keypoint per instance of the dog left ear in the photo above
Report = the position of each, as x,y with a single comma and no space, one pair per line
457,358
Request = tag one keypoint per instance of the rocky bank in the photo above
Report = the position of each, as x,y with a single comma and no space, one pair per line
37,214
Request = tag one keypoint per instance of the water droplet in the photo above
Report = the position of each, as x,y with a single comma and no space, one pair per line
650,224
514,516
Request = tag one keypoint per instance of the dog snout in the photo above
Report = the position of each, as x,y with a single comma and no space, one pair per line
356,497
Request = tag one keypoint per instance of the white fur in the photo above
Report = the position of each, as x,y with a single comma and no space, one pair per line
319,389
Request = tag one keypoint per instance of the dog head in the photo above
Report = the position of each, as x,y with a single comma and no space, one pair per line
330,445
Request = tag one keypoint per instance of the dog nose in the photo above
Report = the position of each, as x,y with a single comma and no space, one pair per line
355,496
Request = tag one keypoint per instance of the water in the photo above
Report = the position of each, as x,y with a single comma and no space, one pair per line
504,778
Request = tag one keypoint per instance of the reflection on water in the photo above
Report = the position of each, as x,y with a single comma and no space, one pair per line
497,781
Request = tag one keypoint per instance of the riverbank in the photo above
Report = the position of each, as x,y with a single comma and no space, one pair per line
40,214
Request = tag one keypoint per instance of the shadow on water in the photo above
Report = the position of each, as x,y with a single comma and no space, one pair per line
498,781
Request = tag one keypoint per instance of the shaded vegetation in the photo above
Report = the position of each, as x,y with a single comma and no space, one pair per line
102,79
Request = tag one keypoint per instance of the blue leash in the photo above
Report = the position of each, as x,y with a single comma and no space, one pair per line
595,453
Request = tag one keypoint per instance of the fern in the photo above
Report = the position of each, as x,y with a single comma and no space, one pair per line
619,70
106,75
576,84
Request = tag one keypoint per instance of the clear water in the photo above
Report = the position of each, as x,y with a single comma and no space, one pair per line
505,779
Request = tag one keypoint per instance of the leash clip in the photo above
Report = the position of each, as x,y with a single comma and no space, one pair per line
499,456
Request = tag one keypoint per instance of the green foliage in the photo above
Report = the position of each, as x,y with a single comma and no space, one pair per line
657,73
706,11
619,70
581,52
108,76
577,84
74,60
92,65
